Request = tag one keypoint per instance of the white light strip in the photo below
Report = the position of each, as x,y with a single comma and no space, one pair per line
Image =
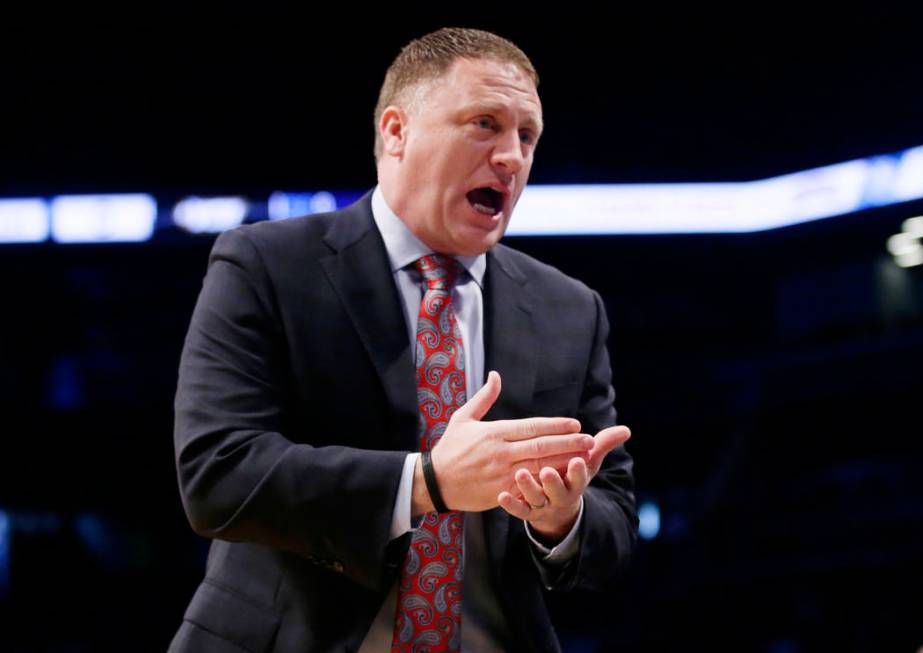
732,207
102,218
720,207
23,220
908,177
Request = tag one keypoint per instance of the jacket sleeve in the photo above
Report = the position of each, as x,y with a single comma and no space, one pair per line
609,527
240,477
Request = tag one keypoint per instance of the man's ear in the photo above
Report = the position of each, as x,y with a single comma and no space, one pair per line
393,130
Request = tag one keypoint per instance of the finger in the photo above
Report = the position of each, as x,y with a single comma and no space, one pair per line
516,507
558,462
604,442
553,486
476,407
531,490
578,476
533,427
551,445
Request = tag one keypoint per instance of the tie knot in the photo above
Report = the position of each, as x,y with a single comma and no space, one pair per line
439,271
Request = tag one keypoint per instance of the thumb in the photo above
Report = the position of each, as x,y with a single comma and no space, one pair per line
478,405
605,441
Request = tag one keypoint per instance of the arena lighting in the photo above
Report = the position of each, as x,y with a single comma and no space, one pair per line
911,259
727,207
210,215
102,218
648,520
23,220
733,207
906,247
908,178
289,205
914,226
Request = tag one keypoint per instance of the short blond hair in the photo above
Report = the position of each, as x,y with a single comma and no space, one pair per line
430,56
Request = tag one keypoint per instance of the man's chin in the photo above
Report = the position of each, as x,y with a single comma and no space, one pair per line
477,241
478,236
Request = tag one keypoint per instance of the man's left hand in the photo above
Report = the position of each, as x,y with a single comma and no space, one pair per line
551,503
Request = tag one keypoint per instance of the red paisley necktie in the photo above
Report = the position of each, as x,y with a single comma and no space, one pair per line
429,596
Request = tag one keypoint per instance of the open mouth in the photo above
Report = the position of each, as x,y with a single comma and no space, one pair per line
486,200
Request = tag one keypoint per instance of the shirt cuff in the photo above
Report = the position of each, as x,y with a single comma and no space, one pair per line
564,550
400,518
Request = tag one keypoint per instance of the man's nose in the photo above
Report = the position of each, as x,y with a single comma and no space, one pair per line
508,153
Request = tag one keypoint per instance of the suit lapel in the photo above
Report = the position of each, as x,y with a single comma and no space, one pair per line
360,273
509,343
509,337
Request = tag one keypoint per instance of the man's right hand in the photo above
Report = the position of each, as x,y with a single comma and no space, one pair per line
474,461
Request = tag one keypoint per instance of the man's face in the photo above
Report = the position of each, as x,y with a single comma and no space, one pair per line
464,155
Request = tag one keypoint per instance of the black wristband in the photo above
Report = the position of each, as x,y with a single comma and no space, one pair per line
429,475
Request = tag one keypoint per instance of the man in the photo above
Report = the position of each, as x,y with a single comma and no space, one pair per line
312,452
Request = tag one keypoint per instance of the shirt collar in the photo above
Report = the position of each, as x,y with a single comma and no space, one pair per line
404,247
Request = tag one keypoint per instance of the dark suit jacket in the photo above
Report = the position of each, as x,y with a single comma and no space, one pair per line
296,407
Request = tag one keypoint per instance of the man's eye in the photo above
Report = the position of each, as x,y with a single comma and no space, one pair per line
526,137
486,123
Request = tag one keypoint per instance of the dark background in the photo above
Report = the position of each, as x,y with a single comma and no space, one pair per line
771,380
